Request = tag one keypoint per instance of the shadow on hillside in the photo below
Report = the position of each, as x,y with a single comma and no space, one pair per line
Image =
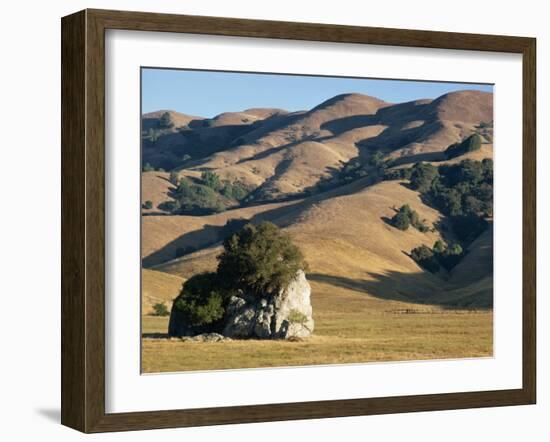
341,125
185,244
211,235
420,288
420,157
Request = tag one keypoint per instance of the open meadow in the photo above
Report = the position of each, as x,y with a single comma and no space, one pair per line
350,327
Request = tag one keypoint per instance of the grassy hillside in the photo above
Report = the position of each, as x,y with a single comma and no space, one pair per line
155,187
368,254
317,175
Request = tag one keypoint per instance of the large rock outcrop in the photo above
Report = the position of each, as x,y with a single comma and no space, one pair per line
282,315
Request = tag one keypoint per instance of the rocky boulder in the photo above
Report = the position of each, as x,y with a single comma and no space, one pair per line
282,315
205,337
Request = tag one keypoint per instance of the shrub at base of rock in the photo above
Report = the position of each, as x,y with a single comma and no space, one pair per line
205,337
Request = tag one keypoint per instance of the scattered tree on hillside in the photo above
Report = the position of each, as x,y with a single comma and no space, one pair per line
147,168
424,256
166,120
235,190
211,179
406,217
470,144
439,256
439,247
196,198
377,159
401,220
160,309
174,177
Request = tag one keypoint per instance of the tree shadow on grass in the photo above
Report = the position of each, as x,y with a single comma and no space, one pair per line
155,335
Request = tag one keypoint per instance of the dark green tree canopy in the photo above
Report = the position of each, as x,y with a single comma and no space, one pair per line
470,144
406,217
424,256
211,179
422,176
166,120
401,220
260,259
201,300
174,177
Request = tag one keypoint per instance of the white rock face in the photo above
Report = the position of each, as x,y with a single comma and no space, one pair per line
286,314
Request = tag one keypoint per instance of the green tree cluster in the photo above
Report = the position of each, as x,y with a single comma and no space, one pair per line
196,199
422,176
406,217
160,309
470,144
440,255
212,180
398,174
236,190
462,191
165,120
209,195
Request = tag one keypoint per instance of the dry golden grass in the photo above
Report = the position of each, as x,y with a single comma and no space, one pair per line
350,328
344,236
158,287
155,187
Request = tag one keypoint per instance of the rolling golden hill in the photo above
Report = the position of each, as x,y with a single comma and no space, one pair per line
371,301
282,154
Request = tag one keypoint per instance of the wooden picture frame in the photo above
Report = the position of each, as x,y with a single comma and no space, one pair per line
83,220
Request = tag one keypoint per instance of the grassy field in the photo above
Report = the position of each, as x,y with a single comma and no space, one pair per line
350,328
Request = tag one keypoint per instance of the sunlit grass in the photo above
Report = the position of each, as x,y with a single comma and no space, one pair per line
350,328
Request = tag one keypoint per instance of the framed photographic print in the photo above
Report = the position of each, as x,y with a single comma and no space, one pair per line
266,221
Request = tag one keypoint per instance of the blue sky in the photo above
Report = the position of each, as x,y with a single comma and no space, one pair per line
207,94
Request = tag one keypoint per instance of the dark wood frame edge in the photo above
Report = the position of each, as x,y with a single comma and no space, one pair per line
83,216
